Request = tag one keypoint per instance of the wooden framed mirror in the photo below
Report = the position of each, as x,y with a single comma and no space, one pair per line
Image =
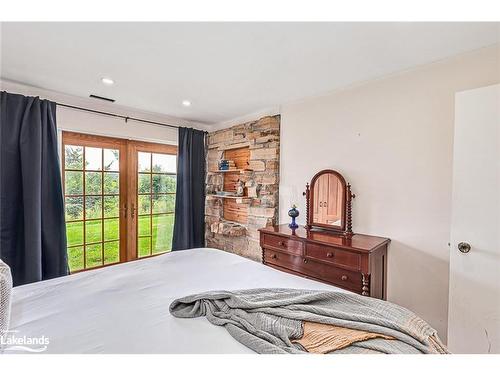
329,202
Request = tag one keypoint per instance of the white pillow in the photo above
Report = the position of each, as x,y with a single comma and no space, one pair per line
5,297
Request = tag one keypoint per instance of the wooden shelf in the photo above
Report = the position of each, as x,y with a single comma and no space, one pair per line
231,171
229,197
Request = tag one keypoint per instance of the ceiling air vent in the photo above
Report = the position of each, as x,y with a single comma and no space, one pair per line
102,98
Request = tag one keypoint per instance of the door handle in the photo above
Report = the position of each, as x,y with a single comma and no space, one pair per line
464,247
124,209
132,211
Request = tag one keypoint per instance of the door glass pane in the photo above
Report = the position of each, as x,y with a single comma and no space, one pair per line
75,258
73,157
144,226
111,183
111,160
156,184
163,226
144,183
170,183
144,246
111,252
91,195
93,255
74,233
170,203
93,231
164,163
111,206
93,183
73,183
144,204
144,161
159,204
93,207
163,183
93,158
74,208
111,229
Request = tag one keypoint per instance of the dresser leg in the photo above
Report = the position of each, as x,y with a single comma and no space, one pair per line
365,290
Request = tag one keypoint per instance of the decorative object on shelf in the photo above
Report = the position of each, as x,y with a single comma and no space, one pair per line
293,213
223,165
251,188
240,187
226,193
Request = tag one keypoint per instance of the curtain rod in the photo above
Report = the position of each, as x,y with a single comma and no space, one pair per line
126,118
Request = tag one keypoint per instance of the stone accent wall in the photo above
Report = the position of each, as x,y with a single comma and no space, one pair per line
262,183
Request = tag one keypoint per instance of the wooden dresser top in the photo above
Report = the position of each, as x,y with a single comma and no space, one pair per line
360,242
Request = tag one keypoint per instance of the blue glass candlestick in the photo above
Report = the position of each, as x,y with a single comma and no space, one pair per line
293,213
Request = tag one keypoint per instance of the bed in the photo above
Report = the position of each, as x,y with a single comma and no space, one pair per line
124,308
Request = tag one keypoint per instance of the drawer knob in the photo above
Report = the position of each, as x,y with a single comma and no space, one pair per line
305,260
344,278
274,256
329,255
281,243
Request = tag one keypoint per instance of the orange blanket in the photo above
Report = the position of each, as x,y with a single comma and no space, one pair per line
324,338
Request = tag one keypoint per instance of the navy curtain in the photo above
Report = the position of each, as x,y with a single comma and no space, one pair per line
189,224
32,228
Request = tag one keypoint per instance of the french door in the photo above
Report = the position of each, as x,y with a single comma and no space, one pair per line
119,199
153,182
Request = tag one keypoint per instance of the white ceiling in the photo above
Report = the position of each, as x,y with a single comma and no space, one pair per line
227,70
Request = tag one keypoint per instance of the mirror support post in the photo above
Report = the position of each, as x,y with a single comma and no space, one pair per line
349,197
308,210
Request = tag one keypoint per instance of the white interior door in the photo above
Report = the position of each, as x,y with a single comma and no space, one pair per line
474,304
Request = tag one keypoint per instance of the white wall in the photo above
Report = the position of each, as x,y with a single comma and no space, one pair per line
90,123
393,140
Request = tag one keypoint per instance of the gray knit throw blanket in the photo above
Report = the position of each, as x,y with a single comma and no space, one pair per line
268,320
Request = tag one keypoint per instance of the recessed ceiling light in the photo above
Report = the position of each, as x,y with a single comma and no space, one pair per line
107,81
186,103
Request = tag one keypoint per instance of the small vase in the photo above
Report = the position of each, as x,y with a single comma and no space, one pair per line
223,165
293,213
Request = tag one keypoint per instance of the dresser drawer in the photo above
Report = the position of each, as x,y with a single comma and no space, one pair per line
328,273
334,275
285,244
333,255
280,259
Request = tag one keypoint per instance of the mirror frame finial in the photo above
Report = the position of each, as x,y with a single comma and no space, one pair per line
345,227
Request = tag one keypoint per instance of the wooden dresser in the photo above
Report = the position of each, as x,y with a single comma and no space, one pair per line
358,264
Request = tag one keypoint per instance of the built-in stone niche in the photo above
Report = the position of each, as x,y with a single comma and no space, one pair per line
232,224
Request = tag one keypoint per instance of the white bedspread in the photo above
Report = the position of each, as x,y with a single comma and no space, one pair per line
124,308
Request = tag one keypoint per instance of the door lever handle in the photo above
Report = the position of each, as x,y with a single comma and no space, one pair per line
464,247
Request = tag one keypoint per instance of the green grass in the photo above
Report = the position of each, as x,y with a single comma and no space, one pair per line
149,242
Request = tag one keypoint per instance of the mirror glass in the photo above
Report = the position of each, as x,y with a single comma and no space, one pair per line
328,200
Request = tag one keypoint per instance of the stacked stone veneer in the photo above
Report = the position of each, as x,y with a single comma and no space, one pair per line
263,139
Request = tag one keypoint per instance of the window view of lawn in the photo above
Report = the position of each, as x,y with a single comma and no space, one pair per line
92,198
160,240
155,202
